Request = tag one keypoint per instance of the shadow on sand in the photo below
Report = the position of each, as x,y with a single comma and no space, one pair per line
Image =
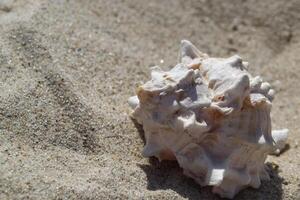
168,175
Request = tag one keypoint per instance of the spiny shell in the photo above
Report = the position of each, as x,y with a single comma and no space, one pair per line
211,116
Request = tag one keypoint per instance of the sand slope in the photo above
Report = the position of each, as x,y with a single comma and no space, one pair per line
68,67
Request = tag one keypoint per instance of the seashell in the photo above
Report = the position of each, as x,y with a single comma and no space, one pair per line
211,116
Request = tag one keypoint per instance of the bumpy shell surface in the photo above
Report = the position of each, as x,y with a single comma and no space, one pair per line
211,116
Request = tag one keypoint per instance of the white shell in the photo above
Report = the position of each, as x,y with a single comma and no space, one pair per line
211,116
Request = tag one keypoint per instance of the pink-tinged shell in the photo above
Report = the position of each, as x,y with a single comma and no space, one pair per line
211,116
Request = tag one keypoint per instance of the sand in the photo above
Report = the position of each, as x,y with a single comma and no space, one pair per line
68,67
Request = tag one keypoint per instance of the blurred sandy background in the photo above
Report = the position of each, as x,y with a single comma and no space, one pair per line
68,67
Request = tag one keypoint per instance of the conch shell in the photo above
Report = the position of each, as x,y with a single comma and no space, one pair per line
211,116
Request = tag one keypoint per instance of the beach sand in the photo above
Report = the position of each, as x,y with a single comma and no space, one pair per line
67,69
